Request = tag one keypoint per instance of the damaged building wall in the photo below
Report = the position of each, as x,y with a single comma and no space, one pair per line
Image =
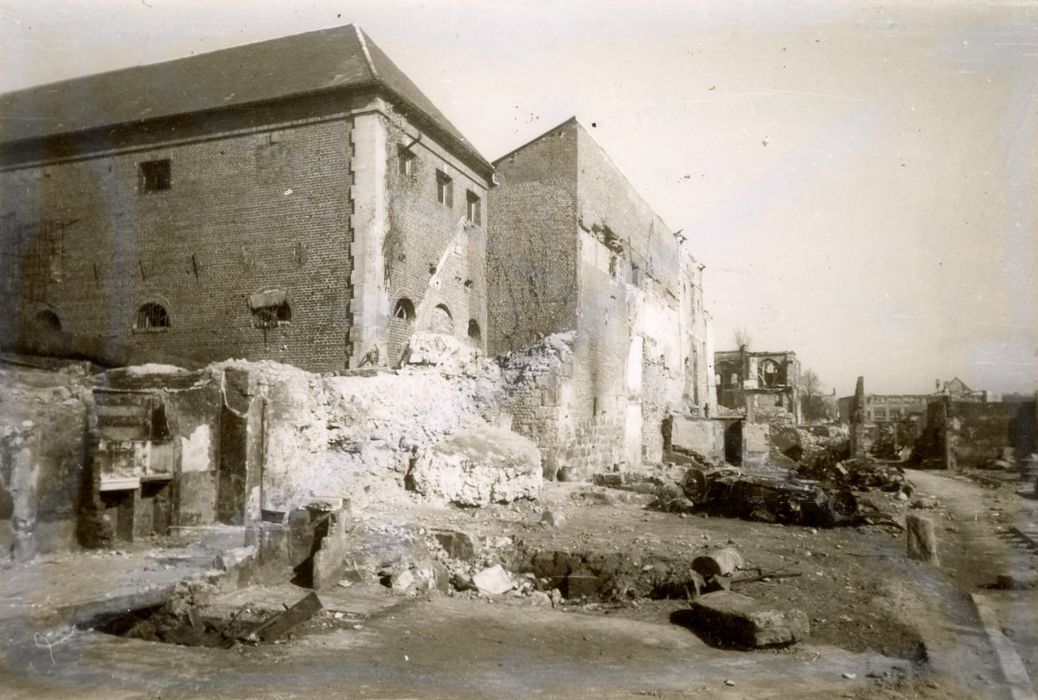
758,383
968,434
434,248
43,452
630,295
158,459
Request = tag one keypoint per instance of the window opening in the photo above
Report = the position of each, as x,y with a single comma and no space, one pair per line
151,317
154,175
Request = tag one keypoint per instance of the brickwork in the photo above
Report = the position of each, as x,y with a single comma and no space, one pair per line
531,247
433,255
247,209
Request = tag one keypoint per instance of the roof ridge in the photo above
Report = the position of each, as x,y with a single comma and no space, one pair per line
367,53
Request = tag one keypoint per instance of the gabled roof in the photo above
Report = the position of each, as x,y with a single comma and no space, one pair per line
327,59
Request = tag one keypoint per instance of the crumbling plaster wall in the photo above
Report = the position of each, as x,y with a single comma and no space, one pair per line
259,198
43,451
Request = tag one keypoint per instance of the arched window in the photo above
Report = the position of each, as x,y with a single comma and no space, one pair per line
151,317
442,321
47,320
475,335
404,309
272,316
768,374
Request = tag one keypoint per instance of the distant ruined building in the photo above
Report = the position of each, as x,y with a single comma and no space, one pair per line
758,382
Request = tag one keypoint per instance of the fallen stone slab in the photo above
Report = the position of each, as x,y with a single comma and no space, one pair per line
738,620
493,580
478,466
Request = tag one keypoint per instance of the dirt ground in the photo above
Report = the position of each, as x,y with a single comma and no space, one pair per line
882,625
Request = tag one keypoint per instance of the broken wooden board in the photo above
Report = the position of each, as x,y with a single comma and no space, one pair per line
282,623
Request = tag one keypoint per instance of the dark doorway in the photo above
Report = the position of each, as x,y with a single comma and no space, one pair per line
119,512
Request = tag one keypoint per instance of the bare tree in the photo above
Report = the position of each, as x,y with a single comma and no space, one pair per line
811,404
742,338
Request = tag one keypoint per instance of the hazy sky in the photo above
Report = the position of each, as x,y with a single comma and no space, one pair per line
861,179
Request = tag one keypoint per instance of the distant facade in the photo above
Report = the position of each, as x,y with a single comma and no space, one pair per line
758,382
298,200
887,408
572,247
883,409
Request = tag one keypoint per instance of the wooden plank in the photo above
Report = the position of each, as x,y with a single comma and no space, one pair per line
284,622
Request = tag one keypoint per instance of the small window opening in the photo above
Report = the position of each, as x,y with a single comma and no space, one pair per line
272,316
444,189
152,317
406,160
404,310
154,175
48,320
473,208
474,332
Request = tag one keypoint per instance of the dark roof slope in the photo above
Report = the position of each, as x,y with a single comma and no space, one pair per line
340,57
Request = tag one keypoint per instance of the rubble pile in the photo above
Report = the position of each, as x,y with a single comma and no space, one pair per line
861,474
478,466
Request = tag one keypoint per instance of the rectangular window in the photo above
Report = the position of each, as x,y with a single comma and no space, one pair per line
153,175
406,159
881,414
444,189
473,208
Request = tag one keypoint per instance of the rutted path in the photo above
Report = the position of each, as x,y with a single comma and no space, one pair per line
980,539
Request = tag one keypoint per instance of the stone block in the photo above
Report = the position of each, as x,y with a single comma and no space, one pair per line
477,467
738,620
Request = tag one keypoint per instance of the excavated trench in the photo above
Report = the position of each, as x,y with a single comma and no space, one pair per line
595,576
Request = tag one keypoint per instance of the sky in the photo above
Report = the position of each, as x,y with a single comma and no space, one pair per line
860,179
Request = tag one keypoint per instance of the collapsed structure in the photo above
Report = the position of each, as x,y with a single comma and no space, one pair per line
301,201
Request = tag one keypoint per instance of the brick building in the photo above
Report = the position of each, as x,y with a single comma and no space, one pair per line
297,199
573,248
758,382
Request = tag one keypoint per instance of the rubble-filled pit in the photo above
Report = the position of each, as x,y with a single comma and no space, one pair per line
611,555
179,622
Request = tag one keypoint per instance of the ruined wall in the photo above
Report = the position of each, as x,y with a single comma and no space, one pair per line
972,434
162,427
42,457
434,256
257,199
531,245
